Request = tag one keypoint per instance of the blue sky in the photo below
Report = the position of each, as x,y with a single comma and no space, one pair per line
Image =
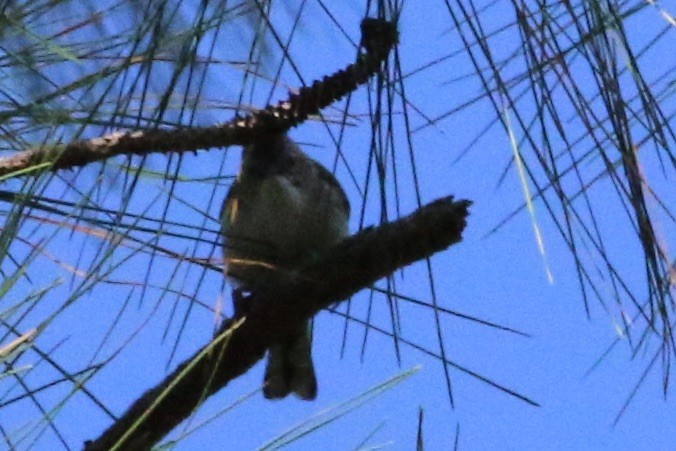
499,278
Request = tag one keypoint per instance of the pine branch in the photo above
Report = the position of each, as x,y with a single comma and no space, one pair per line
272,311
378,38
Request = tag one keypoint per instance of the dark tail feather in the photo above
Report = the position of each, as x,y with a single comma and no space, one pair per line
290,369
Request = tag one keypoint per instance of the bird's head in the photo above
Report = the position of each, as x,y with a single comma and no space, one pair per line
270,154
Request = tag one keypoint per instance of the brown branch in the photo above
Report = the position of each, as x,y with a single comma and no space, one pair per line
352,265
378,38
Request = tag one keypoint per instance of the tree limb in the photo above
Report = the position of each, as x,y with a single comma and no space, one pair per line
348,267
378,38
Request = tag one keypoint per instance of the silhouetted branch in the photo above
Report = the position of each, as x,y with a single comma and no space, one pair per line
378,38
271,312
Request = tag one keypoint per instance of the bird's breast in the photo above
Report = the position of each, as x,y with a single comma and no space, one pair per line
283,221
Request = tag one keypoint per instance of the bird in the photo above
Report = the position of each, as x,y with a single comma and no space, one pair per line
283,209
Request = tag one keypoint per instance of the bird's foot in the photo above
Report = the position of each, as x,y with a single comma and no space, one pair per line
240,301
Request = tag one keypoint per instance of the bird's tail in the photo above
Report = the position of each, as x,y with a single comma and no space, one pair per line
290,368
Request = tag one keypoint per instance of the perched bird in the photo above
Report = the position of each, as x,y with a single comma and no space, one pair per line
283,209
